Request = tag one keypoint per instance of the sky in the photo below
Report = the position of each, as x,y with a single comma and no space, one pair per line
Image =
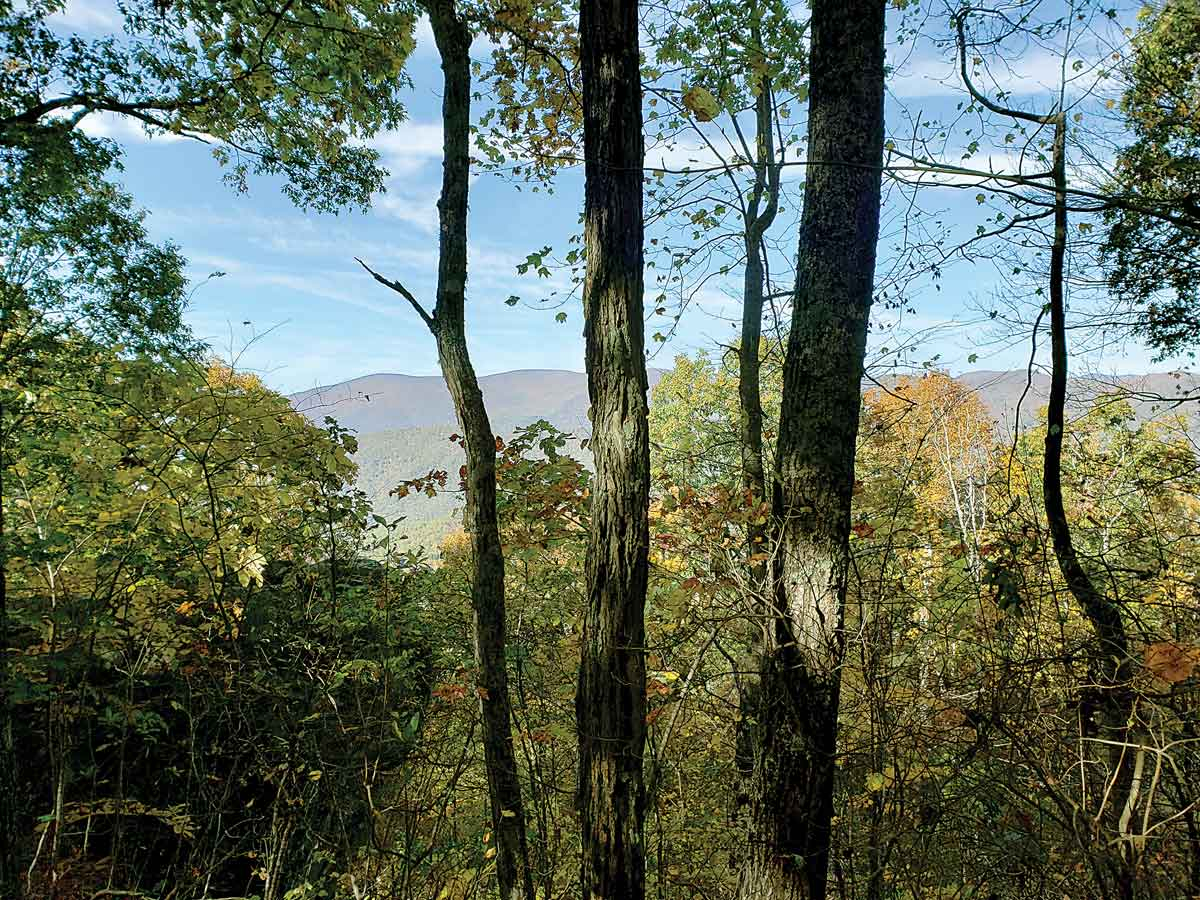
294,307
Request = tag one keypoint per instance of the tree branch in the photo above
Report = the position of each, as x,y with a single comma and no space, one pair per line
404,292
979,97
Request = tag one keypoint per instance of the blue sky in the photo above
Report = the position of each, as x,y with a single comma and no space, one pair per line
316,318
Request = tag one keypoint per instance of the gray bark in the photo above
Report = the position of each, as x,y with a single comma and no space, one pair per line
791,789
611,699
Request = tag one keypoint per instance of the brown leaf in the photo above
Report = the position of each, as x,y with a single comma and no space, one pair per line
1172,662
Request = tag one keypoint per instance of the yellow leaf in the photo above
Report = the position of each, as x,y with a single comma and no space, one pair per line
702,104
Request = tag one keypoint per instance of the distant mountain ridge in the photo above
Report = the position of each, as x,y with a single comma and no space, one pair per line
1151,394
404,422
385,402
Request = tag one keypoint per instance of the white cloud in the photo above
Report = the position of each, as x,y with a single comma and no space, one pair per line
87,16
411,147
679,155
935,73
412,155
339,285
414,207
426,46
996,163
123,129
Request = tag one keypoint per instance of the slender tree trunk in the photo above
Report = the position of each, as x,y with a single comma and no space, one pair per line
1108,706
610,704
791,798
453,37
1108,701
9,867
757,219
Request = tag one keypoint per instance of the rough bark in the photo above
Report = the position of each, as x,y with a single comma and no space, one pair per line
452,35
791,798
610,703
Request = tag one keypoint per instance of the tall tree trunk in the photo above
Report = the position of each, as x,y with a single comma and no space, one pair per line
453,39
1108,705
791,797
9,871
610,704
1108,700
452,35
757,219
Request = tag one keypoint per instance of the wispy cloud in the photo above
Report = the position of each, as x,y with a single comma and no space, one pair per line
411,147
124,129
338,285
412,154
935,73
86,16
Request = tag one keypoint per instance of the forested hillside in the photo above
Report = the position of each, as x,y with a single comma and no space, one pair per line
805,545
399,438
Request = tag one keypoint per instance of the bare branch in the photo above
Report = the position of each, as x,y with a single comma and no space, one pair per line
403,292
979,97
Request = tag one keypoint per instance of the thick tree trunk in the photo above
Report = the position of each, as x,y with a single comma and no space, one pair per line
610,703
791,797
453,39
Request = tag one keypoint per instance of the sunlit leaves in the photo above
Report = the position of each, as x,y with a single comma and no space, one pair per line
701,103
1153,263
291,92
